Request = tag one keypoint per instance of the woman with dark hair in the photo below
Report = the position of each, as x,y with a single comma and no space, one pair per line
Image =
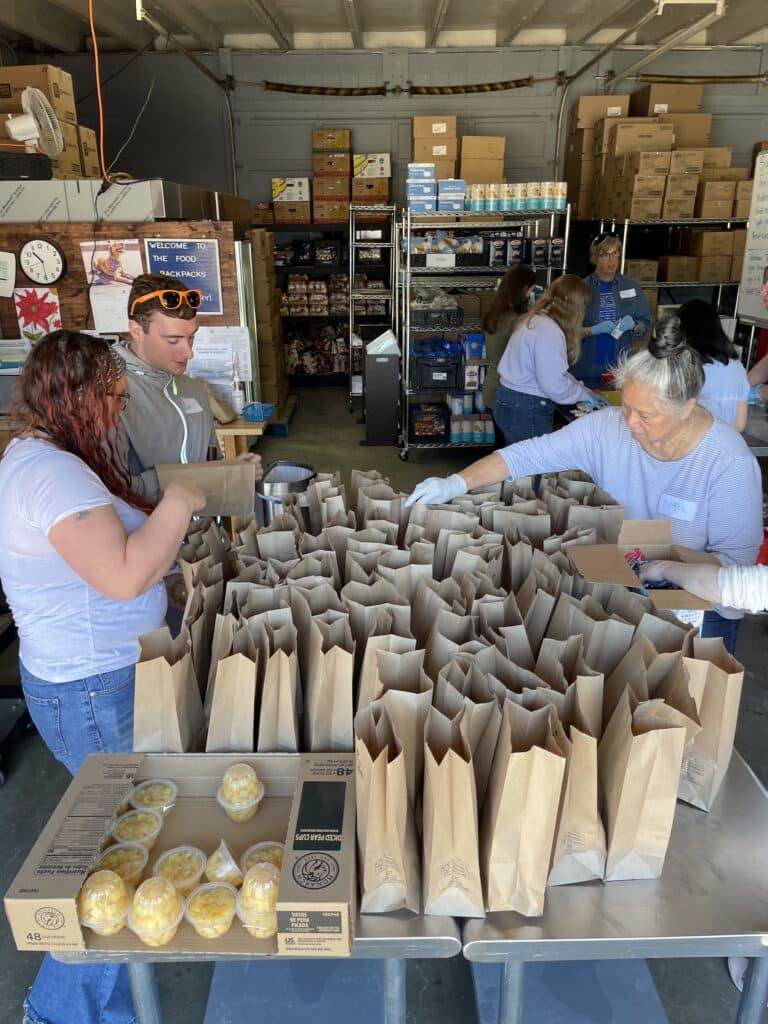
82,563
726,388
510,301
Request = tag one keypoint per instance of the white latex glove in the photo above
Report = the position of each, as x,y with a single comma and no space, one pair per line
437,490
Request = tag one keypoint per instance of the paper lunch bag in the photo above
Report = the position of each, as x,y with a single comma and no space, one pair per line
167,708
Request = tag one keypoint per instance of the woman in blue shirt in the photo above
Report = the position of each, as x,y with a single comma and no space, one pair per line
726,388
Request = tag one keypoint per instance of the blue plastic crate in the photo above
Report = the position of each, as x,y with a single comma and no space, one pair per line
258,412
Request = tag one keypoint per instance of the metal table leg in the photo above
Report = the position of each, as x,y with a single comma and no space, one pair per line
755,994
146,998
394,991
511,999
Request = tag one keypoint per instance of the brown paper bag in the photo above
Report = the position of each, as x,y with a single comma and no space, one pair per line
203,605
390,874
517,831
370,686
224,631
429,598
278,720
606,520
450,634
167,708
328,684
716,680
639,760
451,868
233,706
229,485
407,696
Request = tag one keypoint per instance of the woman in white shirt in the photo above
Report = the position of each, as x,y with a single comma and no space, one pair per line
726,388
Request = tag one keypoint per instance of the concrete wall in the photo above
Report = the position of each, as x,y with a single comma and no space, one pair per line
183,134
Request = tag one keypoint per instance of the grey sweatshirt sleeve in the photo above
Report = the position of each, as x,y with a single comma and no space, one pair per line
551,364
570,448
744,586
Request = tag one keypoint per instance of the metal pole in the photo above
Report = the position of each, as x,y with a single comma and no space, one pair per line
511,999
755,994
750,346
146,998
394,991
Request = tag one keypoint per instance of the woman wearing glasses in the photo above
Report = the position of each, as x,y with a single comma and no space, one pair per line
82,562
617,312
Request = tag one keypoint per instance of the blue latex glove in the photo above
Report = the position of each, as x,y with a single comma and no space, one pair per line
595,401
437,490
604,327
625,324
754,397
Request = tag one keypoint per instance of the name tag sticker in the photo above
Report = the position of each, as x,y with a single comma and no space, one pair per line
671,507
690,616
628,293
189,405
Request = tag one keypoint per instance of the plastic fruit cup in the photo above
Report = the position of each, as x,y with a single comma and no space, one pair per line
243,811
126,859
210,909
155,795
222,867
183,865
156,912
257,900
270,852
138,827
103,902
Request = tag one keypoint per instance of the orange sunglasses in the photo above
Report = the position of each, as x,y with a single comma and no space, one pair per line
171,298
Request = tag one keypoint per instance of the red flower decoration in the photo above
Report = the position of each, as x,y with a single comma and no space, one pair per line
34,310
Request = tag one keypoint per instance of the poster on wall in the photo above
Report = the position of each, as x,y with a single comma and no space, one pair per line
37,311
752,304
110,267
193,261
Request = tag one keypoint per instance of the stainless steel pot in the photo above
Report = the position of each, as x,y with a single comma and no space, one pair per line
281,479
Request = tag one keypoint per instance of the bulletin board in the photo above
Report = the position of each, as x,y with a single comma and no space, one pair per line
72,289
751,307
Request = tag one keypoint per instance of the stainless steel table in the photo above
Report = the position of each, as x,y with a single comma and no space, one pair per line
756,431
712,900
391,938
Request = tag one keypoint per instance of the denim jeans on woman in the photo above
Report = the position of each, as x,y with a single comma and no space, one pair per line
74,719
519,416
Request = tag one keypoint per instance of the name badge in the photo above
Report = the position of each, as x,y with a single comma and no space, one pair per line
690,616
627,293
671,507
189,405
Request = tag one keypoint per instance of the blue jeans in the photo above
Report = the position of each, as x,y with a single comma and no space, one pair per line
715,625
77,718
520,416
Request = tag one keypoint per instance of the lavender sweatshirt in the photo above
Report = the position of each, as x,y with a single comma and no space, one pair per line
712,497
535,363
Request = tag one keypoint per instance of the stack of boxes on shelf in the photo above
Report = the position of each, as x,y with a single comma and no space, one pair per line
370,179
269,327
647,157
332,174
79,158
712,257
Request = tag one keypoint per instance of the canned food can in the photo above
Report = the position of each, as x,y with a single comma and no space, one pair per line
561,195
533,196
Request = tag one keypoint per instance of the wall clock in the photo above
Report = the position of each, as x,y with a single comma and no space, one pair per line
42,261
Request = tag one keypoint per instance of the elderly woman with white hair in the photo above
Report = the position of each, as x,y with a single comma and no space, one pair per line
662,456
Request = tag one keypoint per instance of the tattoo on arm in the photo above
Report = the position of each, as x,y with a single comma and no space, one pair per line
82,515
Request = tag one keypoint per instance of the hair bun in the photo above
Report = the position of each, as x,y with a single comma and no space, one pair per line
668,338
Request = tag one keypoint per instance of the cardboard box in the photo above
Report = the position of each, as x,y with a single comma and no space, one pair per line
652,298
678,268
444,168
271,353
737,266
681,186
741,209
642,209
293,213
718,156
309,800
645,186
370,190
291,190
335,165
724,174
483,147
714,268
269,333
589,109
739,236
744,190
666,98
371,165
580,175
627,137
55,83
715,209
68,163
686,161
331,188
331,211
420,188
428,127
581,202
709,243
642,270
89,154
691,130
477,172
435,148
678,208
580,145
601,133
606,563
263,215
331,139
262,243
421,171
637,162
757,149
23,202
721,191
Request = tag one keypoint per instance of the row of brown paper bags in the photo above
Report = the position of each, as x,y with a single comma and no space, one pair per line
525,792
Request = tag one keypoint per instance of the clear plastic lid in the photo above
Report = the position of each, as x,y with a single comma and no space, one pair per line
156,908
183,865
211,906
126,859
270,852
103,900
258,894
222,866
232,808
155,795
240,786
138,827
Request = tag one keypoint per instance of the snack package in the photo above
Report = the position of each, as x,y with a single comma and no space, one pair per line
155,795
222,866
240,792
138,827
103,902
210,909
183,866
126,859
156,912
257,900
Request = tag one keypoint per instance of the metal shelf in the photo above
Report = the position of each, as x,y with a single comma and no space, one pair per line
452,444
370,293
686,221
371,245
688,284
468,219
454,280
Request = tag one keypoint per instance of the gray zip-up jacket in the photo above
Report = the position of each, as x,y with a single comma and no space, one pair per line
168,419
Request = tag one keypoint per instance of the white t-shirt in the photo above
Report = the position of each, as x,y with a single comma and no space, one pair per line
67,630
724,387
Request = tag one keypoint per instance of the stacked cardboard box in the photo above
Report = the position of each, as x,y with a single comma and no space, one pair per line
370,181
291,201
581,165
332,170
58,88
273,378
482,159
710,256
435,142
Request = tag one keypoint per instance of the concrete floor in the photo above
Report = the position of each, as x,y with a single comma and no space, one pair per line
327,436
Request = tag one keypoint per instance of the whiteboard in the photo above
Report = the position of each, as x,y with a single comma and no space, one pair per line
751,306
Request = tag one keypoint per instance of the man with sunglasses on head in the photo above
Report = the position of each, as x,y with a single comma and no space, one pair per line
168,418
